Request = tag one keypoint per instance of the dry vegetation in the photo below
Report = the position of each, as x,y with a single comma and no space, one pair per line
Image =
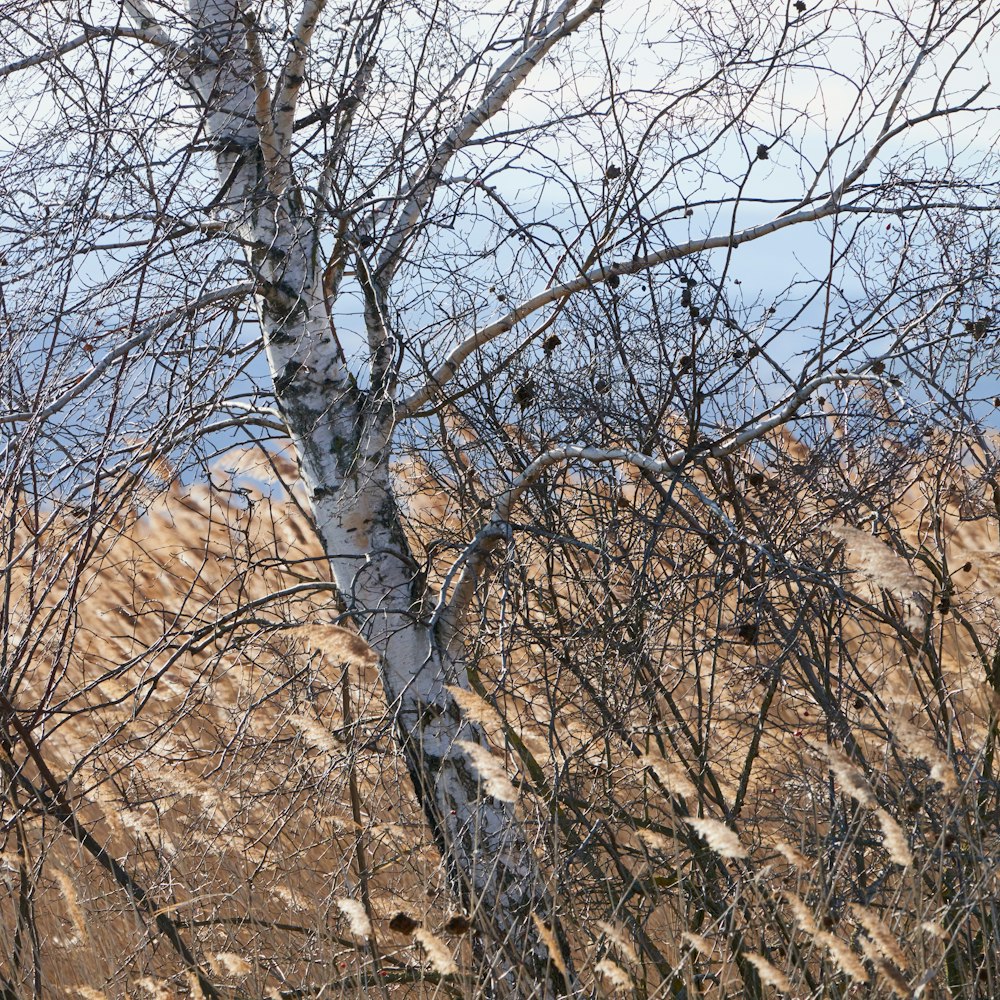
755,741
628,366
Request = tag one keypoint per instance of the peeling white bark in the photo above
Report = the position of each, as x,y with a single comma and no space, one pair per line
484,846
343,436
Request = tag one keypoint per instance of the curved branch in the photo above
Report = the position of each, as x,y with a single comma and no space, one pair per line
89,33
831,204
149,330
472,561
446,371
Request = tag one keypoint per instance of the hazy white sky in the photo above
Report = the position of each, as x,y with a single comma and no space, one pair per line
655,51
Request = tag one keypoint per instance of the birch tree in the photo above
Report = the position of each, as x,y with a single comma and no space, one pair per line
381,228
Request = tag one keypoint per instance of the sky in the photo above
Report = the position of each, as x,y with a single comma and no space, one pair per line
650,53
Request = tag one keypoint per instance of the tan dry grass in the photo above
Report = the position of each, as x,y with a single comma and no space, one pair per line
207,745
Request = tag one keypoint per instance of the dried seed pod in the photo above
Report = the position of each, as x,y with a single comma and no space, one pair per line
403,923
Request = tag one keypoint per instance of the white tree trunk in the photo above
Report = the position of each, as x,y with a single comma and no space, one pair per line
342,436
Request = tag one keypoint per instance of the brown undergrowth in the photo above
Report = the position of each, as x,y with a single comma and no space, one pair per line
754,733
197,705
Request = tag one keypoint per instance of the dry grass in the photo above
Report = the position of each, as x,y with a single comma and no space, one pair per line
195,717
743,797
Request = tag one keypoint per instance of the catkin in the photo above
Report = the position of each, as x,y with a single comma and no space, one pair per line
718,836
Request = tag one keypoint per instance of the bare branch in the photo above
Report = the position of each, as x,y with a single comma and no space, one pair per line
497,530
150,329
556,294
150,35
510,75
293,75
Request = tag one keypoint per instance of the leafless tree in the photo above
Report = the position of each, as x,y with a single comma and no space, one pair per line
503,255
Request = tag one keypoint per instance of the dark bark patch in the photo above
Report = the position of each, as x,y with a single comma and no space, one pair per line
283,382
